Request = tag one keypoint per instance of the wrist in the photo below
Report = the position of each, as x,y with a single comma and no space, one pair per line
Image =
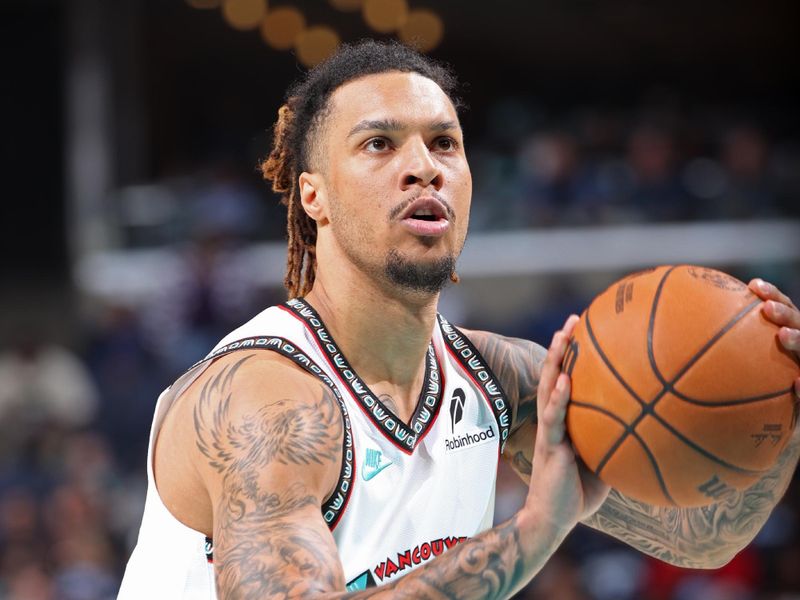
539,536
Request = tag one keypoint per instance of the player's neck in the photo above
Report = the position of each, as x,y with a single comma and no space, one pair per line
383,335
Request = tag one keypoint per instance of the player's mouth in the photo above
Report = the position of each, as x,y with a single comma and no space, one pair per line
426,216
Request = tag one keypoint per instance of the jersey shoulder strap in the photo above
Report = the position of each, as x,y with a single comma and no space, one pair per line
475,366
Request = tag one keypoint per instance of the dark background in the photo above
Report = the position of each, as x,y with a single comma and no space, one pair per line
206,89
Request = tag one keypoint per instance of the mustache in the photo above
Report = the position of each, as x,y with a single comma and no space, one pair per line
400,208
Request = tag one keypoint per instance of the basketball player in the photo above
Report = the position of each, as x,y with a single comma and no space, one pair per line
345,444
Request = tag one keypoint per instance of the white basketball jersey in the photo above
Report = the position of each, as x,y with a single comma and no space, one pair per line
406,492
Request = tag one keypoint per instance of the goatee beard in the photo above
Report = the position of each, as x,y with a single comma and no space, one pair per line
428,277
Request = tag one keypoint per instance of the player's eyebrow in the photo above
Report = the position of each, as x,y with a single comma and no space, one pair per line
394,125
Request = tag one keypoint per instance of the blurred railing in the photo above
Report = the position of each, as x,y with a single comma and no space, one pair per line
131,276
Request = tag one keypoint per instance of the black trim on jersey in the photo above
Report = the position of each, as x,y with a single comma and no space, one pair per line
394,429
488,383
333,507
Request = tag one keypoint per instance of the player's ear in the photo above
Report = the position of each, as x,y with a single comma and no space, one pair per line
313,196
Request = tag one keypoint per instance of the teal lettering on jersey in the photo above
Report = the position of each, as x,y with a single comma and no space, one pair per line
373,464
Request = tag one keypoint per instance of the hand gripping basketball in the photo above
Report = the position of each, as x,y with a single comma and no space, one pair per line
562,491
779,309
684,384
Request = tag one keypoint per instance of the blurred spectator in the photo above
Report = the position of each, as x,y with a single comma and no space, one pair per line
214,293
41,382
30,582
738,580
582,168
549,163
613,574
559,579
656,192
745,156
84,568
129,378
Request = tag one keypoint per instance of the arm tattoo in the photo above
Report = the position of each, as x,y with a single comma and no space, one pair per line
270,540
708,536
487,566
294,433
261,552
517,364
267,540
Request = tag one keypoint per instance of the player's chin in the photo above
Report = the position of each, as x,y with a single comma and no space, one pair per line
420,273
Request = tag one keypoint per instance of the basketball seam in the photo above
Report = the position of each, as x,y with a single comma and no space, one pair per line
699,354
655,466
600,409
624,383
651,326
697,448
737,402
645,447
669,386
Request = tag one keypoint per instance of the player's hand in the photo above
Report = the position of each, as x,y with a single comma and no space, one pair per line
562,491
779,309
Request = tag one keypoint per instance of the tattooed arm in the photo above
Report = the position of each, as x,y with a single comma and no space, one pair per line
705,537
268,447
268,444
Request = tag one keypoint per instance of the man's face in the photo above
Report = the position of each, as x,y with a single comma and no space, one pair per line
398,182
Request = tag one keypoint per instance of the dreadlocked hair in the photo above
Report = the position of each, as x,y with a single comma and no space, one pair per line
299,121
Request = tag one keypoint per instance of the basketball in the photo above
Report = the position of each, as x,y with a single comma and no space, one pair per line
681,392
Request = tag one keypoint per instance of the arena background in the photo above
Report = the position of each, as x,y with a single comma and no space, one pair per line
135,231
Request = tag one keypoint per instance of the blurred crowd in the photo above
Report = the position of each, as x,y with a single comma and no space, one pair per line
658,163
75,420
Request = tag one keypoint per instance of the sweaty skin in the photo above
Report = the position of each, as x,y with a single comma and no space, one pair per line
250,451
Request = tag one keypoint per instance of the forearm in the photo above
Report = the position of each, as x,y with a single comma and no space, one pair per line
297,560
494,564
705,537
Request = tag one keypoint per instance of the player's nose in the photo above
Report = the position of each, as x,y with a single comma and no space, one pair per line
419,167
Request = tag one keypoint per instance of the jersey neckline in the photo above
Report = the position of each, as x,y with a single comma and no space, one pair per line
404,436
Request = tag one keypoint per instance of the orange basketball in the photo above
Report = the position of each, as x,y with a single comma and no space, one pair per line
681,392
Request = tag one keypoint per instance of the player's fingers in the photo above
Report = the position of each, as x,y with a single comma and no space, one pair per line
551,366
780,309
552,418
558,347
767,291
790,339
569,326
781,314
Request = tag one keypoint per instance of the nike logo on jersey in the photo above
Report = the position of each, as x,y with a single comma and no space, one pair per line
369,475
373,464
